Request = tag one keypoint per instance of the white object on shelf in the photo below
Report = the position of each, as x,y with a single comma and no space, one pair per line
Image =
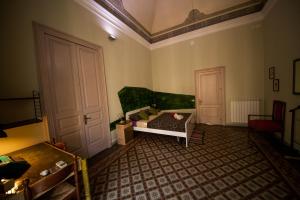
44,172
61,164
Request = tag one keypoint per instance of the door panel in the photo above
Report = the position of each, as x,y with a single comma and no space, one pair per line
92,99
209,91
95,117
89,75
65,93
73,142
94,134
92,128
69,123
62,76
210,101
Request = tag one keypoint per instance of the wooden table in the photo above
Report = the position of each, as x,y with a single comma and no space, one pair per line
40,157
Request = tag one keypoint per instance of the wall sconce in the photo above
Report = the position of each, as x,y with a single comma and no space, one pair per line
112,37
2,134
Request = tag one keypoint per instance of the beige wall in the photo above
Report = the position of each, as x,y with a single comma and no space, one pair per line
127,63
25,136
282,46
239,49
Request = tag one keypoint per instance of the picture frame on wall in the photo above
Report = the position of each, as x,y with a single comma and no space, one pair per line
271,73
296,76
275,85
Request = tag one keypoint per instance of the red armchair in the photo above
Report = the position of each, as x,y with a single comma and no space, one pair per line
275,123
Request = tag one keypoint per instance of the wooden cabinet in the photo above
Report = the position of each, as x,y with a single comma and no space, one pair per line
125,133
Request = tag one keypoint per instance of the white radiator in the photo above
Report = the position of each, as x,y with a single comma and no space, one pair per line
241,108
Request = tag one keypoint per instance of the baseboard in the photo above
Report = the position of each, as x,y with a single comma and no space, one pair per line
114,137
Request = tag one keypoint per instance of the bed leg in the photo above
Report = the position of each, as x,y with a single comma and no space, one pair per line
186,142
178,139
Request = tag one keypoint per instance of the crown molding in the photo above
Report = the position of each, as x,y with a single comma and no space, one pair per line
209,30
107,19
268,7
247,19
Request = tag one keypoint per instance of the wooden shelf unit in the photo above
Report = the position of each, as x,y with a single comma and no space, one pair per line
35,98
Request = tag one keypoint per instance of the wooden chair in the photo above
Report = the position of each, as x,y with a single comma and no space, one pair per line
270,123
55,185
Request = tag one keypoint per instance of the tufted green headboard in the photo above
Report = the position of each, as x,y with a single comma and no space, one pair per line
168,101
132,98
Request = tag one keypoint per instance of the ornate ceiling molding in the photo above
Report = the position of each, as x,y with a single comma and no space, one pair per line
209,30
104,15
195,19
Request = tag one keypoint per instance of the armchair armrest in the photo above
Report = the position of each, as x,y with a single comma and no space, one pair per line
263,116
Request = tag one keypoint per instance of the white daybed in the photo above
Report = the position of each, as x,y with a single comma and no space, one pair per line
188,125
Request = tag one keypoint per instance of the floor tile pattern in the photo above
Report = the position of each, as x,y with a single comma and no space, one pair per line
226,166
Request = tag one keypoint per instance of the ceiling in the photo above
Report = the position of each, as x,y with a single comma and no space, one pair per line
157,20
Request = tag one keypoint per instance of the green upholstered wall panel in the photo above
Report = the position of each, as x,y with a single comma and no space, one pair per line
132,98
167,101
112,125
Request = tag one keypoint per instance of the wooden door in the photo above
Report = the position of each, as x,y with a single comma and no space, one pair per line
65,98
93,101
73,91
210,102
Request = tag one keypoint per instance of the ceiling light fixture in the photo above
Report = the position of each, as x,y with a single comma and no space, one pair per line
112,37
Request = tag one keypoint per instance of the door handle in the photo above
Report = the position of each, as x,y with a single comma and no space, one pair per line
86,118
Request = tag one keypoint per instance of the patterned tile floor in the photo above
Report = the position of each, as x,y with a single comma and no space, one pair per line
227,166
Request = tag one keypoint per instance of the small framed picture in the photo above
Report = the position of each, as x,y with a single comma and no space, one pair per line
271,73
276,85
296,76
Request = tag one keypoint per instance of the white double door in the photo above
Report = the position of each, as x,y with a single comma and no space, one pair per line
75,95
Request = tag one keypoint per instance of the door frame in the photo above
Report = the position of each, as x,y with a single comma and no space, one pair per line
39,36
212,69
